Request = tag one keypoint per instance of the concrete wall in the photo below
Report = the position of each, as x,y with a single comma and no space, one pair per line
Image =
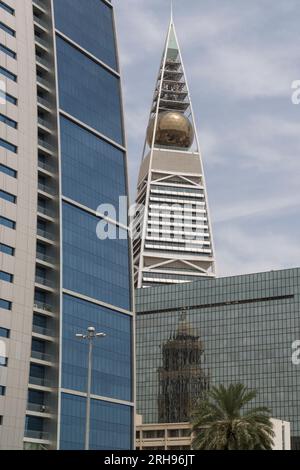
22,265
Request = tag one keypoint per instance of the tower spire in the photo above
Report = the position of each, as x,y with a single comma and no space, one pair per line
173,240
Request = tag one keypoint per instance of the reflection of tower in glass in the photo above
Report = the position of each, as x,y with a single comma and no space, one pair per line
182,379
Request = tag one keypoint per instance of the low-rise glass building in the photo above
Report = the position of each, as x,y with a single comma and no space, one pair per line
219,331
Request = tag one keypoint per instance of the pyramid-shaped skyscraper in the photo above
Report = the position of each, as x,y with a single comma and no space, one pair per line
173,240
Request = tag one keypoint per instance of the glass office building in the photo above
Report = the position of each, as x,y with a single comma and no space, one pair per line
68,154
221,331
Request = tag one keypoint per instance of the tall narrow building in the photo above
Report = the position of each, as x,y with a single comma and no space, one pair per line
62,155
173,238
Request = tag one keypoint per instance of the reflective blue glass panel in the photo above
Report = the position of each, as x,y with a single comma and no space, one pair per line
96,268
71,18
111,371
111,424
88,91
93,171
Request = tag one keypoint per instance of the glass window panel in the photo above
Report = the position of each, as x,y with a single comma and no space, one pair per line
71,18
93,171
93,267
111,376
92,97
111,424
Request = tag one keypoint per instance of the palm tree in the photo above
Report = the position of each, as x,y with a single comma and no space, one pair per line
220,421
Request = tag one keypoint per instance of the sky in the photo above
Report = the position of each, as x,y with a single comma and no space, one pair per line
240,59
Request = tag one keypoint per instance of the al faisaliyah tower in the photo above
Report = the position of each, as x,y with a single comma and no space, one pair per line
173,240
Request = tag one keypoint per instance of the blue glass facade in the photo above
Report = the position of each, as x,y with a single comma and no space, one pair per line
235,329
93,171
96,277
112,374
92,267
98,38
110,424
89,92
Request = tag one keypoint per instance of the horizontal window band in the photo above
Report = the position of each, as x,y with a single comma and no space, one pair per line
96,397
92,130
219,304
87,53
91,300
94,213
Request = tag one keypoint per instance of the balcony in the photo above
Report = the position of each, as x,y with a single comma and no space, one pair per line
37,408
48,147
46,258
39,381
43,306
39,330
41,41
45,123
45,166
44,84
41,356
45,234
39,21
40,4
44,102
39,435
44,61
45,188
43,281
45,211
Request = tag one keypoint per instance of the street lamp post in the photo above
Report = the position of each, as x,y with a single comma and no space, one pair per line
90,336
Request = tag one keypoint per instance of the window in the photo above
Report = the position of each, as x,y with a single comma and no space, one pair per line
8,197
7,73
7,223
6,277
105,419
94,97
8,146
3,361
7,29
8,121
86,159
8,51
8,250
8,171
71,18
7,97
4,333
97,269
5,304
7,8
1,420
112,359
2,390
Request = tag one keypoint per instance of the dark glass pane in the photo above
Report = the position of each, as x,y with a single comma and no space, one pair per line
111,355
93,97
93,267
72,18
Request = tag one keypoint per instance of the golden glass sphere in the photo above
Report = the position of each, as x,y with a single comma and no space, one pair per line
173,130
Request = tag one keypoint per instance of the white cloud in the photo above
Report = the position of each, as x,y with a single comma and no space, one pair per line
239,251
240,59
